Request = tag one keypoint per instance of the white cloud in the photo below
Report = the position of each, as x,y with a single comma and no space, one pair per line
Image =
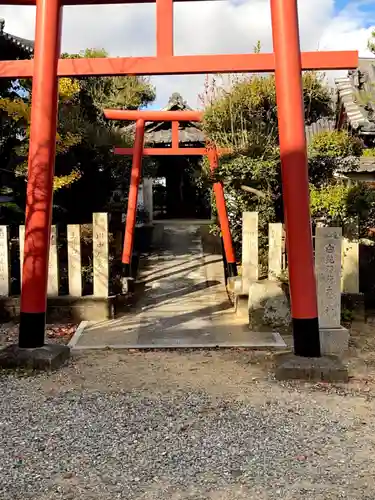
200,28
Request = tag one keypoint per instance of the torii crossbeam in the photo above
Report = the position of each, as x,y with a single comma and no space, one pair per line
141,116
287,62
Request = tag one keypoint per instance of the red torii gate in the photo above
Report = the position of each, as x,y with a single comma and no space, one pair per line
287,62
142,116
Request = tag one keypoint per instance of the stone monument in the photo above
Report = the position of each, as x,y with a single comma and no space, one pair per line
74,260
4,261
101,255
334,338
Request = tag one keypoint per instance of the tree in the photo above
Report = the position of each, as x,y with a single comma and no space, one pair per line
84,159
246,113
244,118
371,43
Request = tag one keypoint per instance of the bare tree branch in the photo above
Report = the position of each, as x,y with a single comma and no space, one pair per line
258,193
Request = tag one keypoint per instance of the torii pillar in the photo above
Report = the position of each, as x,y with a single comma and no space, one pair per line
41,169
295,178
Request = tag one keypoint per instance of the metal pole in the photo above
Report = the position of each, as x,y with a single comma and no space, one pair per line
295,181
40,174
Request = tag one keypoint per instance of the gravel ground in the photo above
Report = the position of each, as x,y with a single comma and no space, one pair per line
188,425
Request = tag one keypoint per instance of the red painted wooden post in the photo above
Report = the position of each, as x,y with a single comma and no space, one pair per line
175,135
223,216
182,65
40,174
131,216
290,109
164,28
153,115
169,151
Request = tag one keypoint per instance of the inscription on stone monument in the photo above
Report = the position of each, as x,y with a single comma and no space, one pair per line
250,269
328,274
74,260
275,243
53,265
100,254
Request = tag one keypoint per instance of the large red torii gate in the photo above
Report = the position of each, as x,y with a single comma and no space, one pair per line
287,62
142,116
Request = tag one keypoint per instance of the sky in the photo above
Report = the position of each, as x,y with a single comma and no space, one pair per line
207,27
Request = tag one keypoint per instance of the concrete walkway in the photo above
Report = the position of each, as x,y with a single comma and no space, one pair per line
184,304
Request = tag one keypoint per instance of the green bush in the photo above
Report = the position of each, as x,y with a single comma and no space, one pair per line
369,152
244,119
336,144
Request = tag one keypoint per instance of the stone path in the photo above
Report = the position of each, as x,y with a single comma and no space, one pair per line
185,303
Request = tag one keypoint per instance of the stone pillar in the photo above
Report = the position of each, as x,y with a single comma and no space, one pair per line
21,238
53,265
140,200
4,262
275,250
148,197
334,339
74,260
250,257
328,274
100,254
350,260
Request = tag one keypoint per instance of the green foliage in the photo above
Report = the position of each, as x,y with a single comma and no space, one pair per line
371,43
333,200
243,117
339,203
337,144
251,184
127,92
369,152
347,316
85,162
246,115
329,201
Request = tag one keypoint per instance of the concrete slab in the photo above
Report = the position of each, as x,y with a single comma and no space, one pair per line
49,357
325,368
198,334
185,304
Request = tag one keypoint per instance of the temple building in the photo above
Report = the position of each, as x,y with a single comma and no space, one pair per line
14,47
175,191
354,103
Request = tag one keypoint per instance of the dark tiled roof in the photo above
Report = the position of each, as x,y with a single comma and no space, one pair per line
25,45
354,90
161,132
365,165
187,134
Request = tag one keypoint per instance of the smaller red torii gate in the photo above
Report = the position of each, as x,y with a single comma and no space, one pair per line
138,151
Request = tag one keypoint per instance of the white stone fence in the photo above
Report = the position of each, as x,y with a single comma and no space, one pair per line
349,261
100,259
349,250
